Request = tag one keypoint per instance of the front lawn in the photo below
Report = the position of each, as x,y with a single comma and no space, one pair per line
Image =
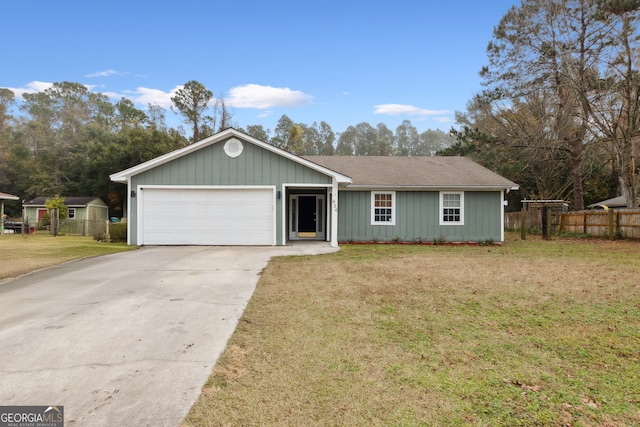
22,253
530,333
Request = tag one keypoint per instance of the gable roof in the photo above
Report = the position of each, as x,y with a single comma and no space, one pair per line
125,175
414,172
68,201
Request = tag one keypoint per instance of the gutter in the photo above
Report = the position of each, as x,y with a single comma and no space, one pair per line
355,187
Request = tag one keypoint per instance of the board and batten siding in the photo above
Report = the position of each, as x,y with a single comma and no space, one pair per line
417,218
210,166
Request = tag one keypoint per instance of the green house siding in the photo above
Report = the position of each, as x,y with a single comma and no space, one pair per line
210,166
31,214
92,212
417,218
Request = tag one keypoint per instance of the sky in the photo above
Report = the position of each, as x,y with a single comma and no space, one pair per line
342,62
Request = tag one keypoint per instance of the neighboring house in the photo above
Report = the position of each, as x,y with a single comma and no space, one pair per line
232,189
80,212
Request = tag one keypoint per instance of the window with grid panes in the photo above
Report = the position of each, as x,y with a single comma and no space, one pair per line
451,208
383,208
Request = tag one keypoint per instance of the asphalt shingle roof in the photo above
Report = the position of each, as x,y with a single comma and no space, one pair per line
421,171
68,201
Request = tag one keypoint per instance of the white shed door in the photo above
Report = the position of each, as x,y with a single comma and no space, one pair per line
234,216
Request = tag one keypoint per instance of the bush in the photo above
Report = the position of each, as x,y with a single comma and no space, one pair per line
440,241
118,231
488,242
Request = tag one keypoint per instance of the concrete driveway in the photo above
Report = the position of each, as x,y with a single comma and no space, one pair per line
126,339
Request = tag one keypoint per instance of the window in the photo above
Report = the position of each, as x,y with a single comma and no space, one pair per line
71,213
383,206
451,208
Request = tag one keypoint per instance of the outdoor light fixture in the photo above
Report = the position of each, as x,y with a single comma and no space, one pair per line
133,193
278,194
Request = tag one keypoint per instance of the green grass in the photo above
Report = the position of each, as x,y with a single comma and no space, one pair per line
25,253
528,333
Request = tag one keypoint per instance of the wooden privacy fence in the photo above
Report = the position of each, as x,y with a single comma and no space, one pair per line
612,223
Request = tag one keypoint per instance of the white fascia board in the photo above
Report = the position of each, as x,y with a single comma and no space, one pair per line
362,187
124,176
204,187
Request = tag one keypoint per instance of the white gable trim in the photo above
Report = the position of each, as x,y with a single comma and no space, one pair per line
125,175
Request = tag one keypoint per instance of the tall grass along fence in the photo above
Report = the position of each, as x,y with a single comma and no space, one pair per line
621,223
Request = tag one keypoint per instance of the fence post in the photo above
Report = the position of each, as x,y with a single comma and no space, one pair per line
611,231
54,221
523,224
560,218
107,236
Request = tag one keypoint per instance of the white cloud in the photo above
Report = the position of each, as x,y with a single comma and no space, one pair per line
106,73
248,96
145,96
408,110
265,97
113,96
31,87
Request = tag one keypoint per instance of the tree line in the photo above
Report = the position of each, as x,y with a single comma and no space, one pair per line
560,112
67,140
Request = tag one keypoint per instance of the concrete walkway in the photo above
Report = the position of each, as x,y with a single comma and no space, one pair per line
126,339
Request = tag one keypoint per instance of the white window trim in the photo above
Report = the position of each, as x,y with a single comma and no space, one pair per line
69,213
393,208
441,208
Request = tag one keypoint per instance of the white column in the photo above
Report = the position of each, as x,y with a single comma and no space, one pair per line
334,214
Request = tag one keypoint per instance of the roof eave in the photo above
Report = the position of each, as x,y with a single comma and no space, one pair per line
434,187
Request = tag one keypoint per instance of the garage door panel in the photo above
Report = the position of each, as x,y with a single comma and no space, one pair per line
208,216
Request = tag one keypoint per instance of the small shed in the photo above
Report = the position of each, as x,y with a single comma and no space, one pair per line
83,212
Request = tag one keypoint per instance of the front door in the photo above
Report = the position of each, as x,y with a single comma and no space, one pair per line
307,217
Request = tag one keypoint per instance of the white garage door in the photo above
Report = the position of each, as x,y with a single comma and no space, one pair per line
237,216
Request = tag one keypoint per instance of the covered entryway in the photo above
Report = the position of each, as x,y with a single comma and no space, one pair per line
206,215
307,216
